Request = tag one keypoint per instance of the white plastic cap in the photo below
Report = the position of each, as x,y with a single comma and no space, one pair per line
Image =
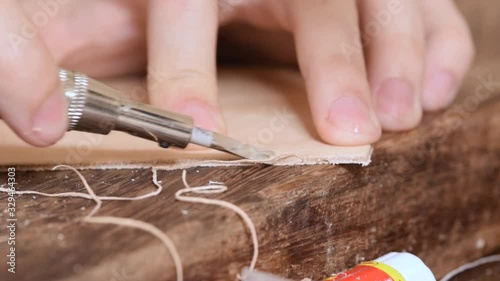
411,267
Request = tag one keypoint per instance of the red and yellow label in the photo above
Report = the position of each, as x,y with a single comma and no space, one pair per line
369,271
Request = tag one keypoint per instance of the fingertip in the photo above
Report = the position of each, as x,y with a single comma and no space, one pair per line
439,90
450,52
40,120
204,115
192,94
349,121
449,56
398,106
31,102
49,122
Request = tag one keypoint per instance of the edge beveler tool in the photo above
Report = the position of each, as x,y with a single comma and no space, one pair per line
97,108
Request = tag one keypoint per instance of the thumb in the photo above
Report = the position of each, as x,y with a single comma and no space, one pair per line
31,100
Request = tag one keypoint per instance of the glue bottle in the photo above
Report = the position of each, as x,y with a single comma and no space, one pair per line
390,267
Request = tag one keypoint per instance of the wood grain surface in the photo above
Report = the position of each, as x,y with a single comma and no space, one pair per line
433,191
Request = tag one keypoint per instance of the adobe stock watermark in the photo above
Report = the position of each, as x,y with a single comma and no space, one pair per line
31,26
11,223
277,124
381,20
86,145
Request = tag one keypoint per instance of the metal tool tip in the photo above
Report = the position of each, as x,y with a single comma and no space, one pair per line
251,152
223,143
244,150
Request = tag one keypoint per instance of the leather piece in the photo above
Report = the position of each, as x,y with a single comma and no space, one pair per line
267,108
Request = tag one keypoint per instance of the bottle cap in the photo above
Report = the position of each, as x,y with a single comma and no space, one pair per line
411,267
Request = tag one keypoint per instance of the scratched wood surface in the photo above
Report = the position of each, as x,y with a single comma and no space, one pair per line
433,191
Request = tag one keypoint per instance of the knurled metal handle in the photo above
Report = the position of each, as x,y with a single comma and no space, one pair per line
75,88
97,108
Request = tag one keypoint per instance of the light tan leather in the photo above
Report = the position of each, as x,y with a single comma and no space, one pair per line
267,108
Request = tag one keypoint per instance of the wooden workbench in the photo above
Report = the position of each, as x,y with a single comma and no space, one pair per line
433,191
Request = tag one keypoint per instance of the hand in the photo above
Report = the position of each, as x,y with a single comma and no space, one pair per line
30,98
413,57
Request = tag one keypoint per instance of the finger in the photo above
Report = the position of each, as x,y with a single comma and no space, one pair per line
394,40
182,51
336,79
97,37
450,51
31,101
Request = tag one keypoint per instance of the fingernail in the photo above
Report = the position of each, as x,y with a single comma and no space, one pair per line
396,98
440,89
50,121
352,115
204,115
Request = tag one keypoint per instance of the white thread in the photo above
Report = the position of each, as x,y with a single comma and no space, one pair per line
131,223
212,188
217,187
65,194
87,196
147,227
471,265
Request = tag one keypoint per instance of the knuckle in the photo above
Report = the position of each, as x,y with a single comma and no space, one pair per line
337,64
185,76
411,44
183,82
340,74
191,77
